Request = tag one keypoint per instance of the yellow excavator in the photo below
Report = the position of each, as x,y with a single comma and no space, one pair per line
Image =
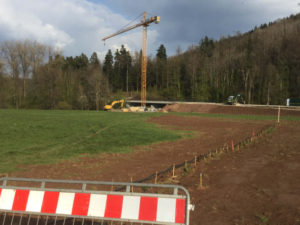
117,104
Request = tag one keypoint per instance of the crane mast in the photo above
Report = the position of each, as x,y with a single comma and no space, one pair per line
144,23
144,65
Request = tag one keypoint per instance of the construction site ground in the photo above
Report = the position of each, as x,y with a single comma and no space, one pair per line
260,184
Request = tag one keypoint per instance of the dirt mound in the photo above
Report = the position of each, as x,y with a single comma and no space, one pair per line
229,109
201,108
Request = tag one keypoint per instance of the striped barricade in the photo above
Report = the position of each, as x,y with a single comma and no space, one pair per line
127,206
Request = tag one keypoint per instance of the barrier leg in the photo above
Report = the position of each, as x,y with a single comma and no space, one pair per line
55,220
64,221
37,221
20,221
46,220
4,217
28,219
12,219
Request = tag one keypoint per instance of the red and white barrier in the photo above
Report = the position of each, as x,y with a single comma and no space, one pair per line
131,207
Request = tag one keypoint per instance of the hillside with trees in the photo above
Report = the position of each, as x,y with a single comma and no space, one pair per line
262,64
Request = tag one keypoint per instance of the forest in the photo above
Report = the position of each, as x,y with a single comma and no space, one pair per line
263,65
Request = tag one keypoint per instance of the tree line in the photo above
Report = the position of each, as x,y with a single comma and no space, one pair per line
33,75
262,64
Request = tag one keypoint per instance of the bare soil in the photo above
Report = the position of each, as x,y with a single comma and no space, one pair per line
258,185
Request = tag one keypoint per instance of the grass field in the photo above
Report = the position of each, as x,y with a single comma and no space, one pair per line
36,136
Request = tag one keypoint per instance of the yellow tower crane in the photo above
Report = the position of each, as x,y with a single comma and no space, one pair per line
145,23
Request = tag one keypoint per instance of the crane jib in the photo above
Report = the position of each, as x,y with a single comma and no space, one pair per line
155,19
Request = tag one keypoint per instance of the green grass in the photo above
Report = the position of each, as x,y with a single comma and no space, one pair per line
241,117
40,136
37,136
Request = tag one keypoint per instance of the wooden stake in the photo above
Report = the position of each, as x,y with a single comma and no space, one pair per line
185,165
155,181
232,145
200,184
112,186
278,120
195,161
173,170
131,180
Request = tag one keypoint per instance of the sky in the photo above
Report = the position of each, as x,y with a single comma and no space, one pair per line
77,26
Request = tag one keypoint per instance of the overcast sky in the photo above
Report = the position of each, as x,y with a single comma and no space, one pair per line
76,26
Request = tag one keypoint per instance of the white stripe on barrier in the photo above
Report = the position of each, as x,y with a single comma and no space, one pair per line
65,203
7,199
35,201
97,205
131,207
164,215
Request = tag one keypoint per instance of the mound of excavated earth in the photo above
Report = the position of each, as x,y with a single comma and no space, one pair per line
230,109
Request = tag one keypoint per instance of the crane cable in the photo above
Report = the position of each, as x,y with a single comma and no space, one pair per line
140,15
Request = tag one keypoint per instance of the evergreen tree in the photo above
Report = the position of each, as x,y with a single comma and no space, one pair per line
108,67
161,66
125,61
161,52
108,63
94,59
81,62
116,83
207,46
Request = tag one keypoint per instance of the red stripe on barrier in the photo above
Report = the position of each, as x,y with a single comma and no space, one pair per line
81,204
113,207
0,191
20,200
50,202
180,211
148,208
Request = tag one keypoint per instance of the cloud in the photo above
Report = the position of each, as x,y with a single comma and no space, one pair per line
77,26
184,23
26,25
74,26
